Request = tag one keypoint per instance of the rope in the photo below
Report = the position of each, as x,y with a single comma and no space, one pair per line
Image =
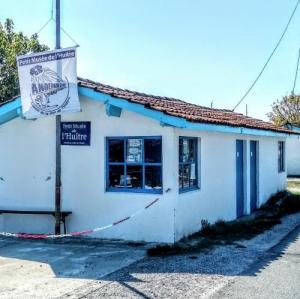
69,36
79,233
44,26
270,57
296,74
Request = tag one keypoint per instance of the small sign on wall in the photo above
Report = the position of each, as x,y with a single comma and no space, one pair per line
76,133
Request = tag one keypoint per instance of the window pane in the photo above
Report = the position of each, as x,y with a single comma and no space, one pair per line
152,150
186,176
135,177
193,175
180,176
116,176
187,149
180,149
153,177
116,150
134,150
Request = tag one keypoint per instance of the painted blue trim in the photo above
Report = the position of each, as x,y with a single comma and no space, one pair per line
143,191
293,128
143,164
9,111
254,146
168,120
112,110
133,107
181,163
240,177
164,119
15,104
281,156
185,190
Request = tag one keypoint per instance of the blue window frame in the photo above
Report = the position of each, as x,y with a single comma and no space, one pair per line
134,164
281,156
188,164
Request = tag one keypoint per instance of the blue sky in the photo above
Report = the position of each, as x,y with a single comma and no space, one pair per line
195,50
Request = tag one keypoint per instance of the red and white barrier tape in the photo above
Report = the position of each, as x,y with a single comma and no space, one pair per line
80,233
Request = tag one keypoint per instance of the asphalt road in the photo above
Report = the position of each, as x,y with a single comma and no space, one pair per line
92,269
277,275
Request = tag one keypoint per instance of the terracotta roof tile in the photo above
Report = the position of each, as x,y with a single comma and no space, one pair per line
179,108
175,107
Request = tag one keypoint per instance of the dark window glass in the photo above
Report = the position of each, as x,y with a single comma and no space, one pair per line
116,150
187,150
116,176
180,176
186,176
187,163
153,150
135,164
134,177
153,177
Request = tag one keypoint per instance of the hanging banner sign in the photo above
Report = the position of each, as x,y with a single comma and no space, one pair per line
48,83
75,133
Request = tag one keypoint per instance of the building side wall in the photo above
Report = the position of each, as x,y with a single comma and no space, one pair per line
27,172
216,197
293,156
27,159
27,178
92,206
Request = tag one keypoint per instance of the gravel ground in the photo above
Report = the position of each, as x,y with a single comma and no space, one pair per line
199,275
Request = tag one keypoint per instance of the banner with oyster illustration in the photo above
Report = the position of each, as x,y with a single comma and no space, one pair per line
48,83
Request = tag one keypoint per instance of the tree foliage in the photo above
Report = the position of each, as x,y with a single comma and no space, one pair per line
286,111
13,44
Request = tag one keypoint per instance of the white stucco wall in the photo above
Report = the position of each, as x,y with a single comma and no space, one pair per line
293,156
216,197
27,160
91,205
27,172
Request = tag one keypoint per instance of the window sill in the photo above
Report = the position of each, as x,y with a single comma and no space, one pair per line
141,191
188,190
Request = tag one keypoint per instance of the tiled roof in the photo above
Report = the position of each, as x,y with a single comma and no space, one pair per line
175,107
179,108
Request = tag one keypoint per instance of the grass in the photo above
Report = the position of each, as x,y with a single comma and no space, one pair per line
293,185
222,232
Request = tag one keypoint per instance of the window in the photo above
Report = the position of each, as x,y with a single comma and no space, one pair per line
134,164
188,166
281,156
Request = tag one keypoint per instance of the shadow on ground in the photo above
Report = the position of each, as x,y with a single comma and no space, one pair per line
83,259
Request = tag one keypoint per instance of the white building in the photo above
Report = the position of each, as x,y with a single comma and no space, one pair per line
293,153
201,163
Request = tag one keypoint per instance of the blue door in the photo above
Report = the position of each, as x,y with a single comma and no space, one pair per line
239,178
253,175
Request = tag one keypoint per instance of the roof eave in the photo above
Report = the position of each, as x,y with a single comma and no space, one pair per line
174,121
12,110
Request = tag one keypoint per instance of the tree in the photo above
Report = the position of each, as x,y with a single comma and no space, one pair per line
286,111
13,44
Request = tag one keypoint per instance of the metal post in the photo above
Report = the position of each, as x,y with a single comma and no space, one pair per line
58,148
